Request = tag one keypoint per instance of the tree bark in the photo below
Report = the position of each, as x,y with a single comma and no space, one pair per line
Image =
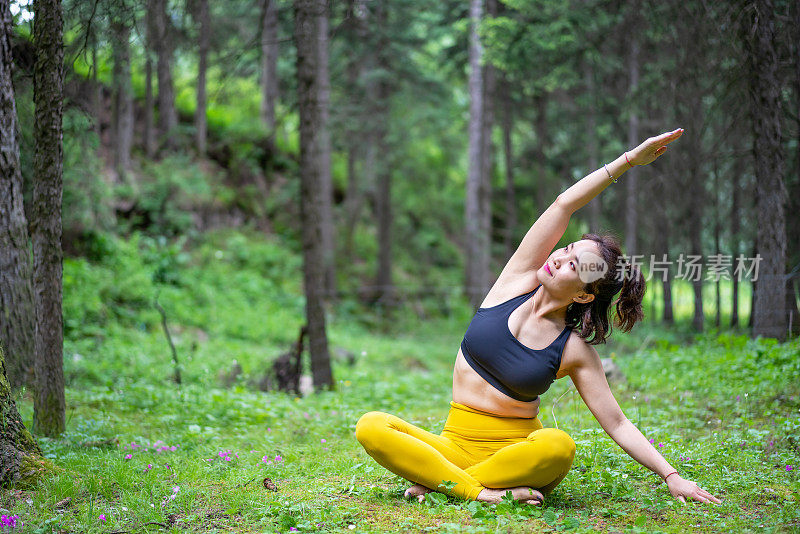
695,227
20,457
662,239
769,317
379,102
167,116
735,239
48,76
359,141
203,19
477,242
97,93
632,176
509,242
793,204
487,157
540,127
717,230
17,318
695,180
269,64
326,182
595,205
307,18
122,100
149,135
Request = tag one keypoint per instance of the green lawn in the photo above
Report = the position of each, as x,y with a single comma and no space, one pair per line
141,454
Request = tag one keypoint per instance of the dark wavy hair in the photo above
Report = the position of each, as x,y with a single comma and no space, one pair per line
592,318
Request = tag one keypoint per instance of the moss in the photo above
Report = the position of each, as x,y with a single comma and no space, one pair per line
32,469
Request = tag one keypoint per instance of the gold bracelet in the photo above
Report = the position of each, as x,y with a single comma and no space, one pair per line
609,173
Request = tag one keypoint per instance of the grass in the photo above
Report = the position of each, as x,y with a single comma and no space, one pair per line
725,409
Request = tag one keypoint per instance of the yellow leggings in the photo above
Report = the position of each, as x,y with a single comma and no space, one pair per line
476,450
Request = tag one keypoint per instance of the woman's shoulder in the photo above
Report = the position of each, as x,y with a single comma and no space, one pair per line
507,286
577,352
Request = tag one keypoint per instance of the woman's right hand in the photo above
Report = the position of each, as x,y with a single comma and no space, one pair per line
652,148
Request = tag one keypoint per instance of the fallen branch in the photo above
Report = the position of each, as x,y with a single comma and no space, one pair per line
169,340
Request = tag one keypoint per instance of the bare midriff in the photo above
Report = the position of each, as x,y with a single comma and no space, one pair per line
470,389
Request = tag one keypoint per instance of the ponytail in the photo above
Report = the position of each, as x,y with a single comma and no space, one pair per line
629,304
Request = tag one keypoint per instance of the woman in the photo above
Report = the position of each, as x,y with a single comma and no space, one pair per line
493,441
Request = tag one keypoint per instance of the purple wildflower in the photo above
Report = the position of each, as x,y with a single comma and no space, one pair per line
128,456
789,467
102,517
10,521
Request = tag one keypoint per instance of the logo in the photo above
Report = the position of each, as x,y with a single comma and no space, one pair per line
591,267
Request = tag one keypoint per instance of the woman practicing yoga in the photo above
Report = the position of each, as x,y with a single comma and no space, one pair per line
493,441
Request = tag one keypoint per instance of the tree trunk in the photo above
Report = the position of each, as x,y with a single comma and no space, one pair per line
793,204
149,134
695,236
20,457
309,86
540,127
356,137
662,237
269,64
122,100
203,43
383,168
167,116
97,93
666,288
509,242
696,201
487,156
477,245
769,317
753,286
717,230
17,318
735,239
48,76
595,205
326,182
632,176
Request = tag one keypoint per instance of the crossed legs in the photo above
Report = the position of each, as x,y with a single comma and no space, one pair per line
539,461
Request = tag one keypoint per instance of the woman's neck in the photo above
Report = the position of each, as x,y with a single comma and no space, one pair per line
548,308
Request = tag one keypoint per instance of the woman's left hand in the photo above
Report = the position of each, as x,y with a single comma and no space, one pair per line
681,488
652,148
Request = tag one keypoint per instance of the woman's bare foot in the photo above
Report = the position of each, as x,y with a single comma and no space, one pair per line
418,491
522,494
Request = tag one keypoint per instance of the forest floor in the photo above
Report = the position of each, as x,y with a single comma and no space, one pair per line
142,454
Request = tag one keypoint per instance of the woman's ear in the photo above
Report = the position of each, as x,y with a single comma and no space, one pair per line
583,298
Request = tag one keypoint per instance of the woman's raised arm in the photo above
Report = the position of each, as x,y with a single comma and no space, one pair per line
551,225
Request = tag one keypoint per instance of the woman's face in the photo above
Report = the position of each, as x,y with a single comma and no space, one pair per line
568,269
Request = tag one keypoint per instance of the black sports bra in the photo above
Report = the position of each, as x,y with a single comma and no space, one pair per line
502,360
